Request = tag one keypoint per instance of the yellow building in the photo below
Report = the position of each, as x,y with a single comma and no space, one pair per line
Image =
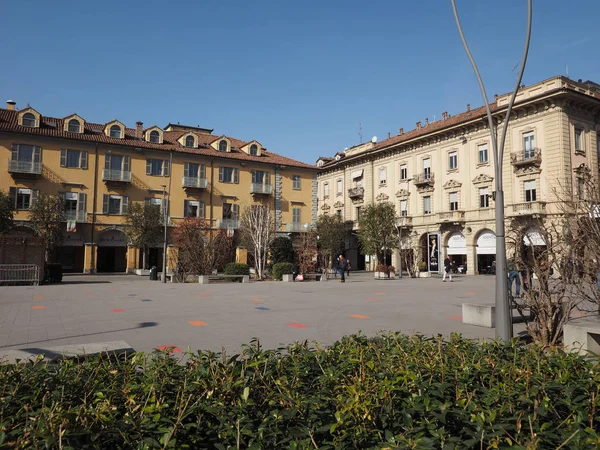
100,169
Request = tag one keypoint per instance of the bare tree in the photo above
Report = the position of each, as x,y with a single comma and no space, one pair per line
377,230
306,250
257,232
145,227
332,234
201,250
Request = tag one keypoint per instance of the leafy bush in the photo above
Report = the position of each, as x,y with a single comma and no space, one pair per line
385,269
282,268
423,266
391,391
236,269
281,250
53,273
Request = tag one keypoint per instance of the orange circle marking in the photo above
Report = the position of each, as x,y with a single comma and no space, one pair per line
372,299
197,323
470,293
38,307
359,316
378,293
257,300
38,297
455,318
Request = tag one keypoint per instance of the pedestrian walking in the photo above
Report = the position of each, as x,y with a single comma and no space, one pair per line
348,267
342,264
513,276
447,271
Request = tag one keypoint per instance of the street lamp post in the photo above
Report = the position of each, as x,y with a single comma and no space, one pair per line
504,329
164,277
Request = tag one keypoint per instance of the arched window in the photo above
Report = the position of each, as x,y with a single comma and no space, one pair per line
28,120
154,137
74,126
253,150
190,141
223,145
115,131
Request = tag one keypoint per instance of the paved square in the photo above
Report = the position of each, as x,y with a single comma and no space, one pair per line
148,315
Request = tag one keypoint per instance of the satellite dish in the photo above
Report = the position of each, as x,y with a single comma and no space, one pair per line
374,139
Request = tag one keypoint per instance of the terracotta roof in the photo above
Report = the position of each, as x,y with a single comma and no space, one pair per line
94,132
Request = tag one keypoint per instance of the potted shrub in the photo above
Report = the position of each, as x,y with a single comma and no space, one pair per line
423,273
384,271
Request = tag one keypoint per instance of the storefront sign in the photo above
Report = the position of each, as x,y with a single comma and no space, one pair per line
112,238
433,254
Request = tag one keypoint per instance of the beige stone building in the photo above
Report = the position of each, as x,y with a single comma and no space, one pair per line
440,175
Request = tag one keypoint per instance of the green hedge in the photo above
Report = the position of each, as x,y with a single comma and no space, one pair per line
281,269
236,269
392,391
53,273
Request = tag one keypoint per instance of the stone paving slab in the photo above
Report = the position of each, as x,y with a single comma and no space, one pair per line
147,314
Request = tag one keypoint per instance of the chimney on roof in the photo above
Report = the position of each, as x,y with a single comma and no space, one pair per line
418,125
426,120
400,131
10,105
389,135
444,115
139,129
495,97
468,107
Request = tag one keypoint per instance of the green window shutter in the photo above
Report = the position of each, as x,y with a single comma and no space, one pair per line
254,176
236,212
84,160
202,171
63,157
221,174
236,176
148,167
166,168
37,154
185,208
81,206
107,161
186,169
126,164
15,152
35,193
267,178
124,204
12,194
105,198
201,210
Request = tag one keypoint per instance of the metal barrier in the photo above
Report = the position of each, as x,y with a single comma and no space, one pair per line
19,274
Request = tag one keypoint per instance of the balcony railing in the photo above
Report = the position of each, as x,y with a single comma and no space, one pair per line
194,182
259,188
77,216
526,157
527,209
423,178
404,221
451,216
297,227
356,192
116,175
16,166
228,223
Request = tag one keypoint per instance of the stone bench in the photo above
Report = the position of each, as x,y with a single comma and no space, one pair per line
483,315
583,335
205,279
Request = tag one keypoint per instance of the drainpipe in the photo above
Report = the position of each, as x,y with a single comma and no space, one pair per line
95,197
212,183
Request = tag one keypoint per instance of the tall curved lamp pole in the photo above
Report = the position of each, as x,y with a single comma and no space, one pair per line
504,329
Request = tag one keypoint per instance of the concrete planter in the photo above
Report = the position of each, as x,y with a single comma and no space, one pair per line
384,276
287,277
424,274
142,272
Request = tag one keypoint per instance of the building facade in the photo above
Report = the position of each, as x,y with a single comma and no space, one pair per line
101,169
440,175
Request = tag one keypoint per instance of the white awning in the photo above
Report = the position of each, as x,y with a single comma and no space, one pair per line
357,174
533,237
457,244
486,243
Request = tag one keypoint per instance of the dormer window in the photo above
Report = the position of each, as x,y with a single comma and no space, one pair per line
155,137
222,145
28,120
115,132
253,150
190,141
74,126
320,164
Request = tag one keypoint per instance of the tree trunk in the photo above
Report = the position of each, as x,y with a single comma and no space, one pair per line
144,258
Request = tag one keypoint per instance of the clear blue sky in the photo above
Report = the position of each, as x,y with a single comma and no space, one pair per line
298,76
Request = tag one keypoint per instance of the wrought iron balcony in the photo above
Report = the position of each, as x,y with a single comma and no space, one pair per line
451,217
259,188
77,216
16,166
356,192
526,157
297,227
228,223
425,178
404,221
194,182
527,209
116,175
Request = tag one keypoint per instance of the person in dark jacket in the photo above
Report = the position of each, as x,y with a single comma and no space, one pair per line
342,264
447,271
348,267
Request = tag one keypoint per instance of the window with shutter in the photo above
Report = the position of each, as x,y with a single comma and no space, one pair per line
530,190
236,212
166,168
148,167
63,157
201,210
107,164
202,171
221,174
81,202
484,200
453,201
186,169
427,205
126,163
236,176
105,202
12,194
84,160
124,204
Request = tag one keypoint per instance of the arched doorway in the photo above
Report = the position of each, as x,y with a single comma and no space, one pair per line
71,251
112,251
457,250
486,252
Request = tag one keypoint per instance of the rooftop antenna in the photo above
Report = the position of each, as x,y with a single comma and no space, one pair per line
360,132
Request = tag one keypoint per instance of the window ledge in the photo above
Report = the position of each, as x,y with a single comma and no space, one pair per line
482,164
452,170
404,180
382,185
580,152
